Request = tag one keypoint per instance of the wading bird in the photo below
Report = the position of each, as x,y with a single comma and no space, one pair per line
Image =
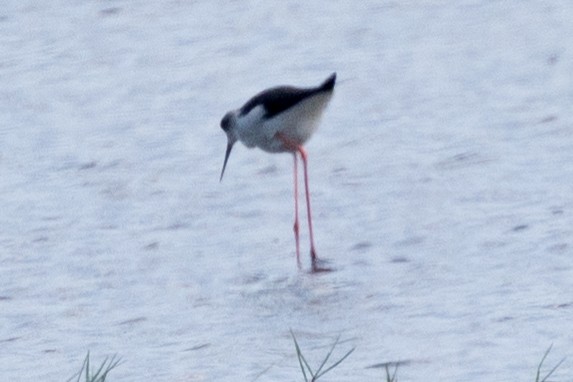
277,120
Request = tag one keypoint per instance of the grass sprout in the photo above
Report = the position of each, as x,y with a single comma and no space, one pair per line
538,377
322,369
391,377
100,374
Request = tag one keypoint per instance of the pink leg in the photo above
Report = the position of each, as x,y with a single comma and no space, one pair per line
296,231
308,209
295,147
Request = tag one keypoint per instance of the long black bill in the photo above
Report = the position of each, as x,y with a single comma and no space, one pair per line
227,153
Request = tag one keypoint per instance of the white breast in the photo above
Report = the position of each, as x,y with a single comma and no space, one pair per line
297,123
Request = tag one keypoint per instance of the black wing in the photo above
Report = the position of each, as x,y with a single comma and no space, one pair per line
278,99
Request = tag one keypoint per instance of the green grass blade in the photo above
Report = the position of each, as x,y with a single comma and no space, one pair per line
337,362
550,373
79,373
327,357
88,367
96,376
101,374
541,363
304,366
393,377
300,358
546,379
113,362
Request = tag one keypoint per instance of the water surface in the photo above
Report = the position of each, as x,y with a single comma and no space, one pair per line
441,180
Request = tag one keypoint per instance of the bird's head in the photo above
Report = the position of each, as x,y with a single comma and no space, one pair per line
228,124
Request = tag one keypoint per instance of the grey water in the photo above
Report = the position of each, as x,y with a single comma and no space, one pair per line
441,180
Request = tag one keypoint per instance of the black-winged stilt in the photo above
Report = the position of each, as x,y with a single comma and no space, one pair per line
282,119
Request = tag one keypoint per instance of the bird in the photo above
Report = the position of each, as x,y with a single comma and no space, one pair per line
282,119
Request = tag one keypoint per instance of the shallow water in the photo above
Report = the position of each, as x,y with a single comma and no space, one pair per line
441,180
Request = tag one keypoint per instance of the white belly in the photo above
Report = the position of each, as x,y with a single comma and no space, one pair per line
297,124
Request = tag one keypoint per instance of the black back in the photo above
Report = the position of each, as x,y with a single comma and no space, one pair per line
281,98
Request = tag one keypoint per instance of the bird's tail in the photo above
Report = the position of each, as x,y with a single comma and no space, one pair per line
328,84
